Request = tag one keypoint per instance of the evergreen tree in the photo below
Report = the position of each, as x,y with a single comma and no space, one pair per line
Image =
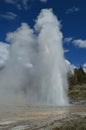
79,77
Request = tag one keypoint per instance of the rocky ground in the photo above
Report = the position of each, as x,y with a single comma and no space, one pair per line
72,117
43,118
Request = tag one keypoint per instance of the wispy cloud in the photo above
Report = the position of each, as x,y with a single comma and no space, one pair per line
44,1
18,3
66,50
76,42
10,1
22,4
25,4
9,16
68,39
72,10
80,43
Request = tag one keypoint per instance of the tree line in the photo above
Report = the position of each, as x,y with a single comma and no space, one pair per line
78,77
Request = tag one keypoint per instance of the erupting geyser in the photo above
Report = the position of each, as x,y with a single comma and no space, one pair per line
36,69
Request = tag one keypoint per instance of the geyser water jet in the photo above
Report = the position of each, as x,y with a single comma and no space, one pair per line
36,68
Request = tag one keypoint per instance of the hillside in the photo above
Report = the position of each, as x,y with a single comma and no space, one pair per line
77,93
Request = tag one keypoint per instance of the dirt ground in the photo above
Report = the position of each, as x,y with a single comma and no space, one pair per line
34,118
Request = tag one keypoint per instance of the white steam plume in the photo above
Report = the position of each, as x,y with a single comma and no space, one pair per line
36,69
4,54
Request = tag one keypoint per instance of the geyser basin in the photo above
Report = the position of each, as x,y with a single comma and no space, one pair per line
36,69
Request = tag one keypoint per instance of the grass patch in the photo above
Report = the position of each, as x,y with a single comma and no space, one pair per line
77,92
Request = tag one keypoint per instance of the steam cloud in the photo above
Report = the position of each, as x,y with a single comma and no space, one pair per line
35,71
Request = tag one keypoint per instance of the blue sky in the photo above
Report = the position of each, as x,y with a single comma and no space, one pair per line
71,13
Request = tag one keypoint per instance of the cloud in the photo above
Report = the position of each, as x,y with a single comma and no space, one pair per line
70,67
25,4
4,53
10,1
21,4
80,43
84,67
18,3
76,42
72,10
68,39
44,1
66,50
9,16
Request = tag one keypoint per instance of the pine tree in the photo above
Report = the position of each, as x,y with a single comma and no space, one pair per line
79,77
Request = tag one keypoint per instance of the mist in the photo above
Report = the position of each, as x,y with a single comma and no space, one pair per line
35,71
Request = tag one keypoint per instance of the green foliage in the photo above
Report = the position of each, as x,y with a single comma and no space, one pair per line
77,92
79,77
77,95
